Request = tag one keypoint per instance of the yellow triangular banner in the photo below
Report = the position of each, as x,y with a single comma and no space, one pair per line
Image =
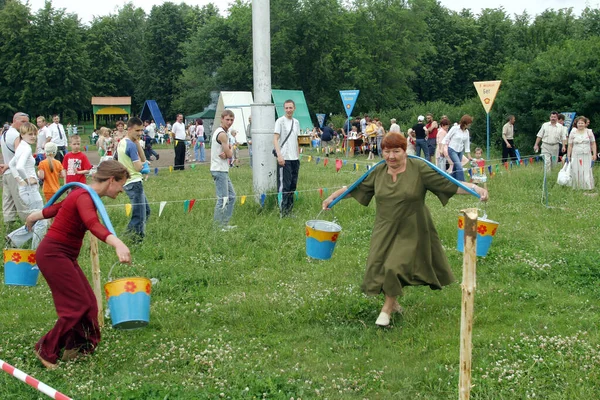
243,200
128,209
487,91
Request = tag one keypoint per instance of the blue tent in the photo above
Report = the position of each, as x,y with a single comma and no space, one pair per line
151,111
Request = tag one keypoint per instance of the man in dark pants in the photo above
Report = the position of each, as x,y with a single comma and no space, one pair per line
285,141
508,142
178,130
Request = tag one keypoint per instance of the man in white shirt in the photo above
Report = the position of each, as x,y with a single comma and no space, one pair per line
394,127
152,130
220,152
178,130
285,141
43,133
552,136
58,136
12,205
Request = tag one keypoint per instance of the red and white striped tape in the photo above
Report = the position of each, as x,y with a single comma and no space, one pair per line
42,387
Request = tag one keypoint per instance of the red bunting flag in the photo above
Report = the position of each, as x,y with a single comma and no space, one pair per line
506,165
321,192
192,202
325,162
338,165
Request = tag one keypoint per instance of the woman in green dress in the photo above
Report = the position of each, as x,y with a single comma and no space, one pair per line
405,248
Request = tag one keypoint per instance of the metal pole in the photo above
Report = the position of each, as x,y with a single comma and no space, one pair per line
263,111
488,136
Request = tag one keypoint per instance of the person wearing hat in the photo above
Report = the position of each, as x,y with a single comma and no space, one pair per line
421,138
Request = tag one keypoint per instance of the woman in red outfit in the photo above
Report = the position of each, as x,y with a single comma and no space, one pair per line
76,330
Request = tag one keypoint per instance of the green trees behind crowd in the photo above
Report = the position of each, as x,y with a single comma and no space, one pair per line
406,57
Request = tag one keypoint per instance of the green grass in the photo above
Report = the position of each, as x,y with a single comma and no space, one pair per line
245,314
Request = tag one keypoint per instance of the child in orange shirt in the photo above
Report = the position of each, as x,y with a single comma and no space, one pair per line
50,170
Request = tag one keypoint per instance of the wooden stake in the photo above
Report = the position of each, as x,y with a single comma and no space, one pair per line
468,301
97,285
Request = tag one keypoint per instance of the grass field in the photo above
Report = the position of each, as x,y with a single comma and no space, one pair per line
245,314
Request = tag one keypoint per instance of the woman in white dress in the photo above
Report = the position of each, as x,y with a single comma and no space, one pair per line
581,154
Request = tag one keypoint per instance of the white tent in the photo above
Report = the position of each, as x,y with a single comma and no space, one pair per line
239,103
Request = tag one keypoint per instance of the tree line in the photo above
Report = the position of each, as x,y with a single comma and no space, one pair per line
407,57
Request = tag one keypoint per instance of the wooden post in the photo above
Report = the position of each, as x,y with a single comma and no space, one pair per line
468,301
96,278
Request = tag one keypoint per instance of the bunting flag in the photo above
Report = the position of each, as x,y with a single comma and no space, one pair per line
580,162
296,194
170,168
470,172
338,165
301,150
345,162
243,200
526,162
521,162
318,159
325,191
498,167
511,164
192,202
309,158
193,166
490,169
355,167
279,198
186,206
321,192
506,165
318,150
128,209
263,197
162,207
530,160
325,162
156,171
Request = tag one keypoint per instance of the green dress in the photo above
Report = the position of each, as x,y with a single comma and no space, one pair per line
405,247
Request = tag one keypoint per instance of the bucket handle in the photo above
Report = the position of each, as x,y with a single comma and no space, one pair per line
329,209
113,266
8,241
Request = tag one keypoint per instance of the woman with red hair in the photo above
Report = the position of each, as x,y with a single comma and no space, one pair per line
405,248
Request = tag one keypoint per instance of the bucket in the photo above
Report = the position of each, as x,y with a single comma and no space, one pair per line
321,237
129,302
486,230
20,267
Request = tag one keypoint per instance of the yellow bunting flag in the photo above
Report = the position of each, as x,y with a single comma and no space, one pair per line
243,200
309,158
170,168
128,209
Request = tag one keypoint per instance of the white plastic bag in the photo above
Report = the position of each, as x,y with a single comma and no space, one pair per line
564,176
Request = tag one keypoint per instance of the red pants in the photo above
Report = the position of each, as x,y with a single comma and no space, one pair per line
74,299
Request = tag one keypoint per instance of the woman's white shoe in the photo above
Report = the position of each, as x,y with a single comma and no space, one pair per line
383,319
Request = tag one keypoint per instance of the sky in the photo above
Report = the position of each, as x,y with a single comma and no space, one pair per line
86,10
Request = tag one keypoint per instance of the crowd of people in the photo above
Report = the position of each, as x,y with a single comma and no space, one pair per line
125,153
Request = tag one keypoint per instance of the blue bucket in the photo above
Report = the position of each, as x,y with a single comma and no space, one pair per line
321,237
486,230
20,268
129,302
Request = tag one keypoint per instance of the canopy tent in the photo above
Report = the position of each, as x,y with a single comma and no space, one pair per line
301,114
206,114
111,106
151,111
239,103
